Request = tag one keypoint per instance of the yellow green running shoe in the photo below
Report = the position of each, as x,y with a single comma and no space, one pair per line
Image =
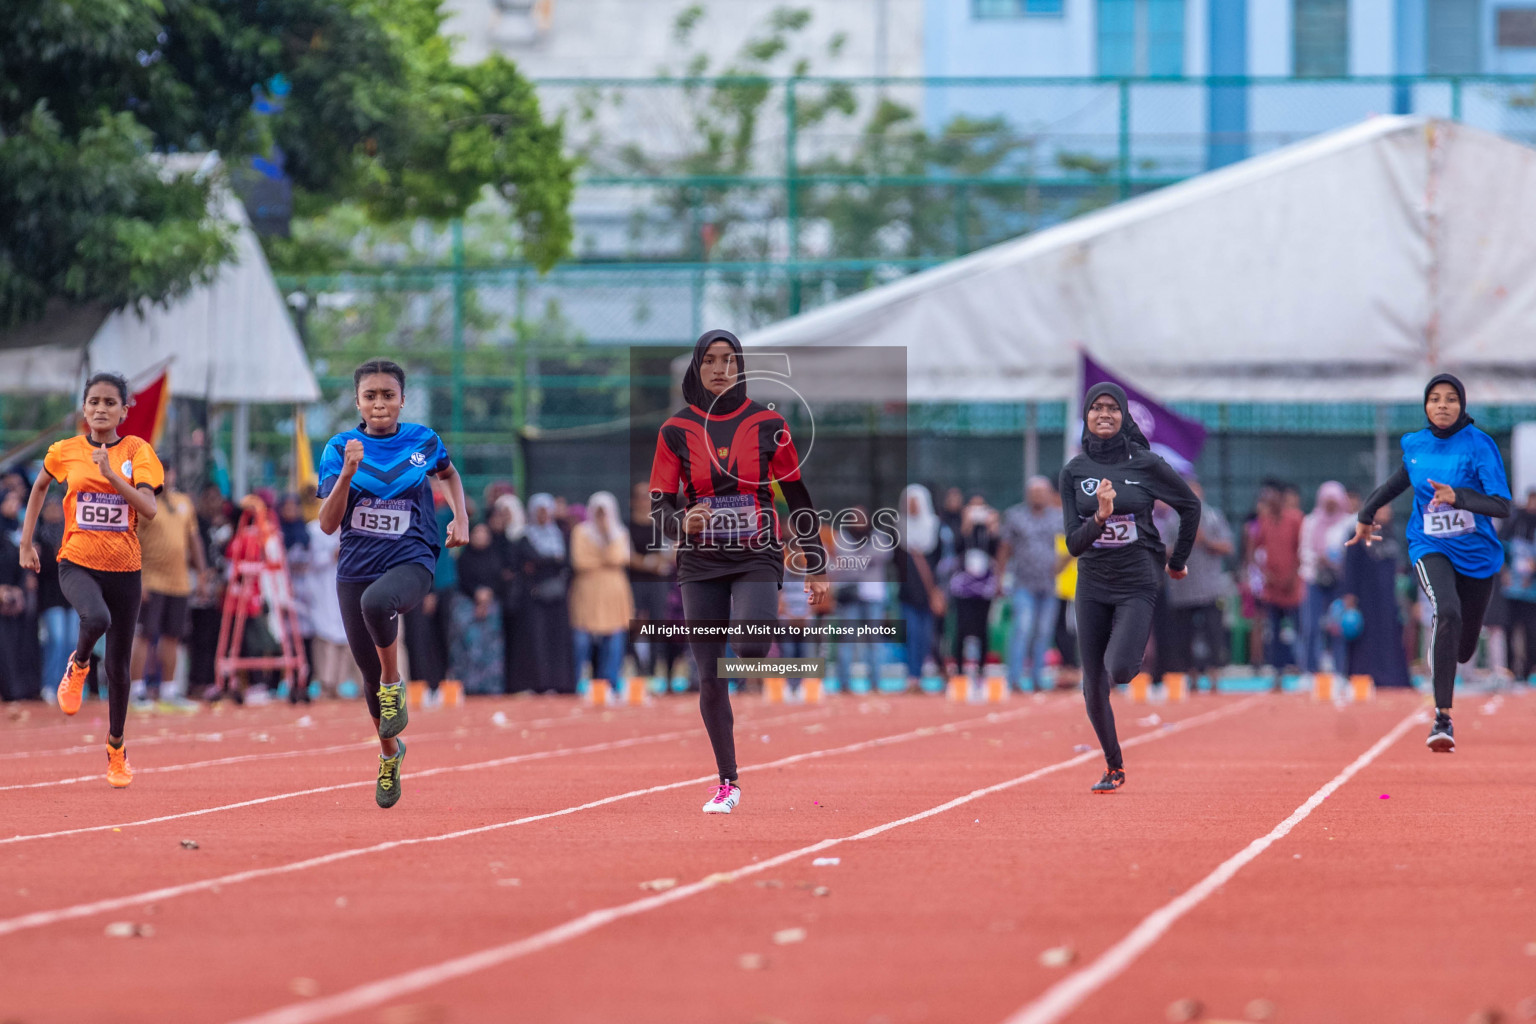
393,718
386,792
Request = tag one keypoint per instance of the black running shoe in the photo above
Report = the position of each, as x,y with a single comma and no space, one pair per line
1112,780
1442,738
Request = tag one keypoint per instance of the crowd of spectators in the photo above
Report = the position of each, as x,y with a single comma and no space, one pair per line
546,592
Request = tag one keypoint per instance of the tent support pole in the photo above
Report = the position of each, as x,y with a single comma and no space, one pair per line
1031,441
1224,438
1382,459
240,456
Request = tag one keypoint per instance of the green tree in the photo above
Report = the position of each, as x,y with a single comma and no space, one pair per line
374,111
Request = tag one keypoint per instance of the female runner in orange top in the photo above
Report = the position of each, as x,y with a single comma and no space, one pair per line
110,483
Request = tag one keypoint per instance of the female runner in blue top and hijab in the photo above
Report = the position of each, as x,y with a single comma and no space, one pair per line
376,480
1458,481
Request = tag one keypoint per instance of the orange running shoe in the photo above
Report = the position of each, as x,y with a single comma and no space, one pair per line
119,771
72,686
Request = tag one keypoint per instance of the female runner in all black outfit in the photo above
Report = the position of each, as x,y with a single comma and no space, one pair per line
1106,505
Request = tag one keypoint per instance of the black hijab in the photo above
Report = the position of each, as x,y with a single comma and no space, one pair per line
482,567
1119,447
694,391
1461,421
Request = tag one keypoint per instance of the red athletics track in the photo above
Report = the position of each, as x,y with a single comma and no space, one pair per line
967,839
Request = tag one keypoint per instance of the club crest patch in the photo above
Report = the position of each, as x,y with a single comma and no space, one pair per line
1090,487
722,452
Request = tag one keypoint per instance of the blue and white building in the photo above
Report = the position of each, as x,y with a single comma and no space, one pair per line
1388,46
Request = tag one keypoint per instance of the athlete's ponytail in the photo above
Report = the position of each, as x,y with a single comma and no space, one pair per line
117,380
373,366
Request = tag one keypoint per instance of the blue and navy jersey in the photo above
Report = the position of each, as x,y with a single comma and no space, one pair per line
1467,459
390,518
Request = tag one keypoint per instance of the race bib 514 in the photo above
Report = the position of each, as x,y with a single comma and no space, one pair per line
1450,522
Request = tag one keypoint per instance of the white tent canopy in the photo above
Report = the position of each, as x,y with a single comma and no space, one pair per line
1351,267
230,341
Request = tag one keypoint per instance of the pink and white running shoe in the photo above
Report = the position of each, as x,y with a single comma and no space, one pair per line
727,795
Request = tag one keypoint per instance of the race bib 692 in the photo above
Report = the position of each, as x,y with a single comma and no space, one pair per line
99,511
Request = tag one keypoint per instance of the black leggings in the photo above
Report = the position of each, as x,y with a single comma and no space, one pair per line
717,600
371,612
1112,639
107,602
1459,603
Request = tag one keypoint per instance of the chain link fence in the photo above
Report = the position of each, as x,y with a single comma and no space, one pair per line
741,201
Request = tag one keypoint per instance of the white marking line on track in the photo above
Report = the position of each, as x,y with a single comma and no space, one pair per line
98,722
46,917
271,755
500,762
538,723
223,728
1070,992
377,992
304,732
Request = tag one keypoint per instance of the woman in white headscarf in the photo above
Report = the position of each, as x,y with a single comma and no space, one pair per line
1323,533
547,663
921,595
601,602
517,519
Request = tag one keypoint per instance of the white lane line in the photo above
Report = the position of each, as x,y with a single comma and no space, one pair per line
234,731
1070,992
46,917
538,723
98,723
499,762
271,755
89,748
377,992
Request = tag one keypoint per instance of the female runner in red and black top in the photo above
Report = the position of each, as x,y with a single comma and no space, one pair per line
726,452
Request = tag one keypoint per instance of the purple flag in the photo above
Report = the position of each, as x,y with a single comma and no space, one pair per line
1177,439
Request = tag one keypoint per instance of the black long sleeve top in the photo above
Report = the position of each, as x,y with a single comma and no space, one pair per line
1124,557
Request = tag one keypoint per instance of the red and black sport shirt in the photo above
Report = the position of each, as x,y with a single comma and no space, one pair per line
730,463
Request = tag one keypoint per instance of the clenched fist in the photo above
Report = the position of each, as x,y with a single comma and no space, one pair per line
1106,496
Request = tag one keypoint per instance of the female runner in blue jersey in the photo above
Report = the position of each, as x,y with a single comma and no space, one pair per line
1457,476
377,484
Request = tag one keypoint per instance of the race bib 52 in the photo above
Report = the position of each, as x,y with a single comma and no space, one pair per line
1118,532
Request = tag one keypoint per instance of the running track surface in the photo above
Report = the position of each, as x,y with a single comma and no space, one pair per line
1270,858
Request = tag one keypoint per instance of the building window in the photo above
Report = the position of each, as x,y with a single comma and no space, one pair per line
1453,37
1141,38
987,9
1321,30
1517,27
